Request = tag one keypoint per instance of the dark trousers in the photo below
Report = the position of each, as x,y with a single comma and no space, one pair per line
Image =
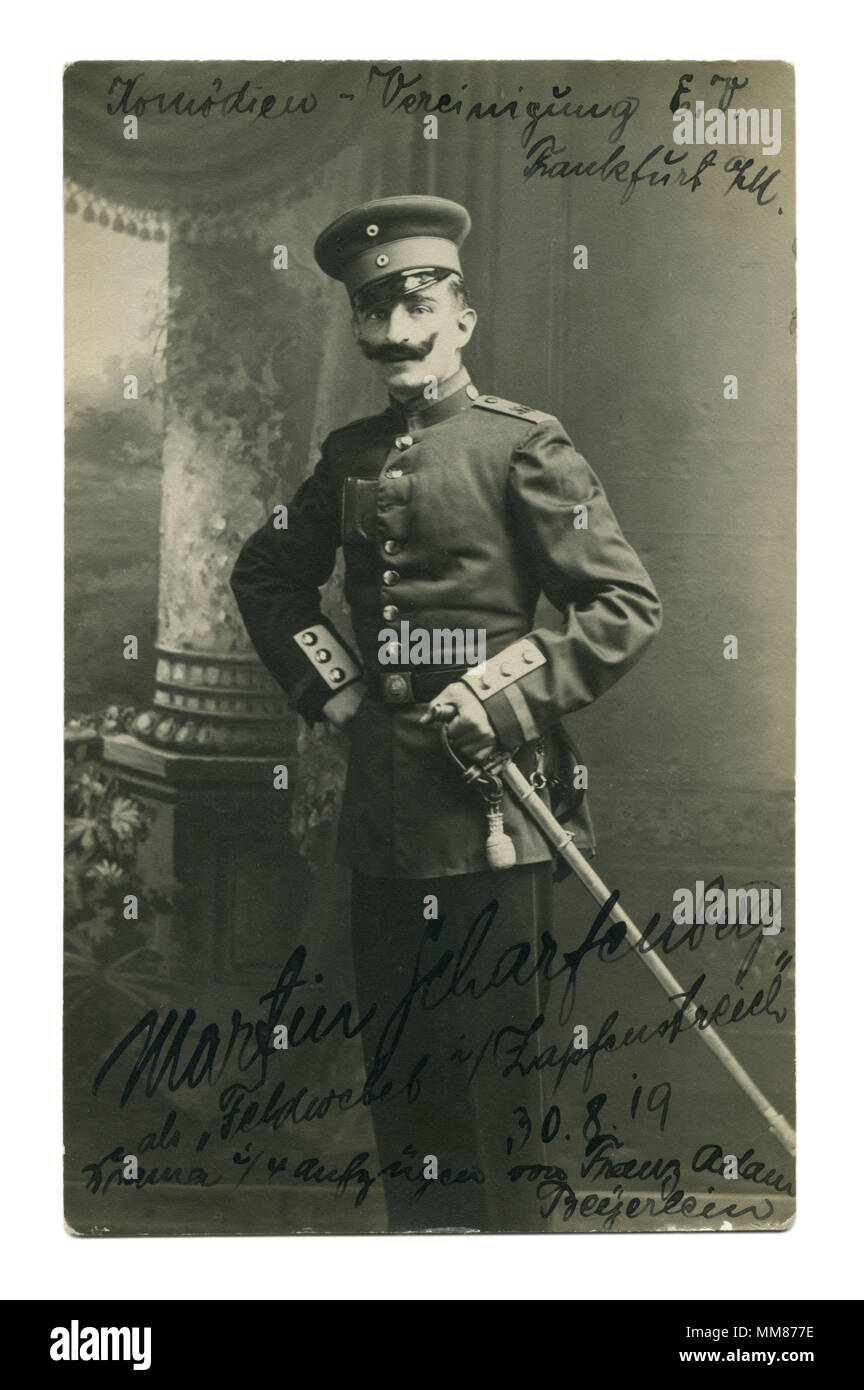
449,965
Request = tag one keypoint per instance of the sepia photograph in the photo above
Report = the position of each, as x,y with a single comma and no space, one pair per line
430,647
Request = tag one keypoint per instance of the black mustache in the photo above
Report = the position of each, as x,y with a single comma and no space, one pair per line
397,352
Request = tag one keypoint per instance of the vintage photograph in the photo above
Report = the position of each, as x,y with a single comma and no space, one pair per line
430,647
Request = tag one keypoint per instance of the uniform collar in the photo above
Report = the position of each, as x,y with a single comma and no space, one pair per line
455,394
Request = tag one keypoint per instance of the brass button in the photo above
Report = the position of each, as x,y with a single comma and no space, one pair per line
491,400
393,473
372,230
335,676
392,547
395,688
527,655
382,260
505,671
390,612
308,639
471,392
403,441
391,576
322,655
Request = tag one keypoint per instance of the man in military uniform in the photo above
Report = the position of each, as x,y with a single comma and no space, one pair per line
455,511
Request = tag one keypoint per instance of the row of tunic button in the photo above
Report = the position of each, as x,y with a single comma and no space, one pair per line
390,577
401,442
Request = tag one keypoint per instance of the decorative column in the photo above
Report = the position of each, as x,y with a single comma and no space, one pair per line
225,430
202,758
259,365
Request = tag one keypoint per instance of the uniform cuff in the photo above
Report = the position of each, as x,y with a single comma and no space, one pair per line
501,715
497,685
331,668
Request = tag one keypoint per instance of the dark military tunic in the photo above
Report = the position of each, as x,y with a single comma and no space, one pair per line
456,514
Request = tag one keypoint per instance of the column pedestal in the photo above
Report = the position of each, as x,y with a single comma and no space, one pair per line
220,839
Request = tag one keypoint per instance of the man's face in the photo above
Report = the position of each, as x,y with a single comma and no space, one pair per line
412,338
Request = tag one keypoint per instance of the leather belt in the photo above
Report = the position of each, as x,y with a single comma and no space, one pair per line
411,687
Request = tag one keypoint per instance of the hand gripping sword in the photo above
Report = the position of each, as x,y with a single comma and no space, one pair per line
499,768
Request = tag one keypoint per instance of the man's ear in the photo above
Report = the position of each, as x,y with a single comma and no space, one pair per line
467,322
355,327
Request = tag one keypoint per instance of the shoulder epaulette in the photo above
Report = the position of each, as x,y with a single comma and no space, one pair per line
522,412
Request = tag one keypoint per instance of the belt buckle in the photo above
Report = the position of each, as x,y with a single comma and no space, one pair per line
396,689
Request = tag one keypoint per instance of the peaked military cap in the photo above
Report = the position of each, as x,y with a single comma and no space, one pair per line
386,249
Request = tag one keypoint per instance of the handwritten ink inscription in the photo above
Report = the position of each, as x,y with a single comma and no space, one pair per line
262,1127
539,119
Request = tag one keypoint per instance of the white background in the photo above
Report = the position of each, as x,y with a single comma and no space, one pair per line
820,1257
